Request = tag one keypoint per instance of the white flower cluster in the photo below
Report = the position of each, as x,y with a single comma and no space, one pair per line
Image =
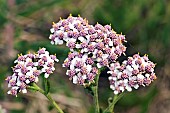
94,47
99,43
28,68
81,68
134,72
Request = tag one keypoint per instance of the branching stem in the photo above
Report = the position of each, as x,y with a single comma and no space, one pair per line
37,88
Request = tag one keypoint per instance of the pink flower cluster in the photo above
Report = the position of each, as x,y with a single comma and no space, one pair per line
80,68
28,68
93,47
134,72
98,44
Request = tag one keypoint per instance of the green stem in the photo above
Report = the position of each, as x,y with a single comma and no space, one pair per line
110,108
95,91
37,88
46,86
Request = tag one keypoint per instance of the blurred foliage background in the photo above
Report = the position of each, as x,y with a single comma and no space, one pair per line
25,24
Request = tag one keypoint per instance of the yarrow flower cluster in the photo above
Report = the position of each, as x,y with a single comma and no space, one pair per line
134,72
81,68
93,47
100,44
28,68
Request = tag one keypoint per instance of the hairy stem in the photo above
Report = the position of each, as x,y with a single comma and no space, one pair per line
37,88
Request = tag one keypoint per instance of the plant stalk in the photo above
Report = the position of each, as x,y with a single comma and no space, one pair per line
37,88
110,108
95,91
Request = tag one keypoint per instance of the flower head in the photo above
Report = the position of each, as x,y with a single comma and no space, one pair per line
28,68
80,68
86,38
99,44
134,72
